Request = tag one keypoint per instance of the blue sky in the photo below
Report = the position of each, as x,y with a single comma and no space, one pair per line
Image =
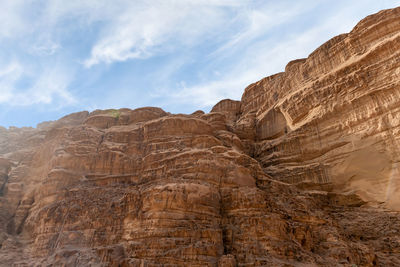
59,57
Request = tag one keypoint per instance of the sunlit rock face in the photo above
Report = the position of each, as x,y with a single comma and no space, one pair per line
301,172
334,118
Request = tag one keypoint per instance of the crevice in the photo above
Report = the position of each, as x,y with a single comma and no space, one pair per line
100,142
57,241
11,226
21,225
6,179
3,186
221,213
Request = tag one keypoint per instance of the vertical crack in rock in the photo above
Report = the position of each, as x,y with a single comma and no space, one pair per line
11,226
3,186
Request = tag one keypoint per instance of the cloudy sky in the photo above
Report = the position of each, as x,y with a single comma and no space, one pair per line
58,57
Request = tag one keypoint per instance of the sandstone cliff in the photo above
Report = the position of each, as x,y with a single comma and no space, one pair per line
303,171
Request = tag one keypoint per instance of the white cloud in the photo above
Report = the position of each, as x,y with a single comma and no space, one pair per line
9,75
138,29
45,48
260,59
208,94
48,87
258,22
143,29
12,21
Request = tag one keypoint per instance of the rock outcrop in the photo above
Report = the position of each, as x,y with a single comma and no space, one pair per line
303,171
334,118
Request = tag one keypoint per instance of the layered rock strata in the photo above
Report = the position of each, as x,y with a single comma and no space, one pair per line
334,117
301,172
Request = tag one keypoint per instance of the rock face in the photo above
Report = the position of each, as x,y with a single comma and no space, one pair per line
303,171
335,116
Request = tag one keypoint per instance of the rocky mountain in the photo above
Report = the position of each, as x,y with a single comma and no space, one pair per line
303,171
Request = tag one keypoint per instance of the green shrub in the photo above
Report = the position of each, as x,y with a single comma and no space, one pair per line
115,113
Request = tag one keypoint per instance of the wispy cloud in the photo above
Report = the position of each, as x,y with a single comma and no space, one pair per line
9,75
261,57
143,29
258,21
46,47
12,21
62,54
18,88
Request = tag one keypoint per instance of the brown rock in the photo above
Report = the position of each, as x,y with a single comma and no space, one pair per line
229,107
334,117
301,172
227,261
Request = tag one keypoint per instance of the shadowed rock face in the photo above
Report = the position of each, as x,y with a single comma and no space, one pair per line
301,172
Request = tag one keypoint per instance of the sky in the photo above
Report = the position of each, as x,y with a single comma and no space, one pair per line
59,57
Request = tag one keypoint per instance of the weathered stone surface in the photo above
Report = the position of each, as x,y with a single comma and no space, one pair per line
301,172
230,108
334,117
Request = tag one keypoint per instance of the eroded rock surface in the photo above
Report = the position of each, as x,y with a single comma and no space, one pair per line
303,171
